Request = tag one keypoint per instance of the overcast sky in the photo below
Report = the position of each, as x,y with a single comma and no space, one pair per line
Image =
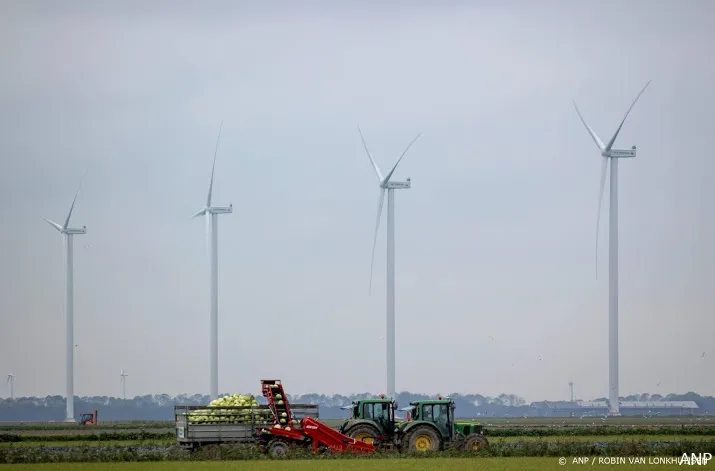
496,237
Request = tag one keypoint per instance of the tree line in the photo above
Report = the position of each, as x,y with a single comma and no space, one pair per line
161,406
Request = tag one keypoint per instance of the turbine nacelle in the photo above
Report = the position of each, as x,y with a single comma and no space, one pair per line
224,210
215,210
620,153
397,185
66,230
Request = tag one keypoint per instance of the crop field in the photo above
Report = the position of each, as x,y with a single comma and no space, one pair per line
516,439
514,444
602,438
498,422
60,428
527,421
490,464
632,420
164,442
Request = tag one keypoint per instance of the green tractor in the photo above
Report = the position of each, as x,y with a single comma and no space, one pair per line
430,426
371,421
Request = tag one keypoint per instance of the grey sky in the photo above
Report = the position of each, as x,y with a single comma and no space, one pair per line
495,238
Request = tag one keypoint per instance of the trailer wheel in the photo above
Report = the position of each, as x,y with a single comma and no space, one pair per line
364,433
475,442
278,448
423,438
190,447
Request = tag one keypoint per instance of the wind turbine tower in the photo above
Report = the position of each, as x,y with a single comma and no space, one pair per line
612,155
123,379
68,234
390,186
571,390
211,213
11,382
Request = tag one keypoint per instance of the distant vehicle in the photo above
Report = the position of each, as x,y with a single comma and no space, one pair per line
88,419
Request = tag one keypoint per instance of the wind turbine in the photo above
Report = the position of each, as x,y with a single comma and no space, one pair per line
211,213
612,155
390,186
68,234
11,382
123,379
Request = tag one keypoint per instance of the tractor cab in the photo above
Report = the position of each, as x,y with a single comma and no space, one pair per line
440,413
379,413
88,419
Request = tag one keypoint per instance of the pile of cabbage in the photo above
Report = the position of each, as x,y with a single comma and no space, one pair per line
251,413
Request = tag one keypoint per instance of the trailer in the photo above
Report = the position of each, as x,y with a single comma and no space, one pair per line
197,426
277,427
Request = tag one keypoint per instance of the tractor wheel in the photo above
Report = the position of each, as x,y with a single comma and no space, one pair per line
278,448
363,433
475,442
423,438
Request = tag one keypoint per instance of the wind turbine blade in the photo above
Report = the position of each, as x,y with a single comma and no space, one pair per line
387,178
200,213
374,164
213,167
377,228
613,139
67,221
604,168
53,224
598,141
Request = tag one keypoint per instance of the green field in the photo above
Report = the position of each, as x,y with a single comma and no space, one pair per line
601,438
564,421
639,420
157,426
554,439
90,443
10,426
491,464
128,446
60,434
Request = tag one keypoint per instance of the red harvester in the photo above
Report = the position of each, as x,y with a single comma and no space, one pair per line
307,432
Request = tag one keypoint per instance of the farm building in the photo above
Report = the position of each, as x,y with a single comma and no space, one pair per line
648,408
556,408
